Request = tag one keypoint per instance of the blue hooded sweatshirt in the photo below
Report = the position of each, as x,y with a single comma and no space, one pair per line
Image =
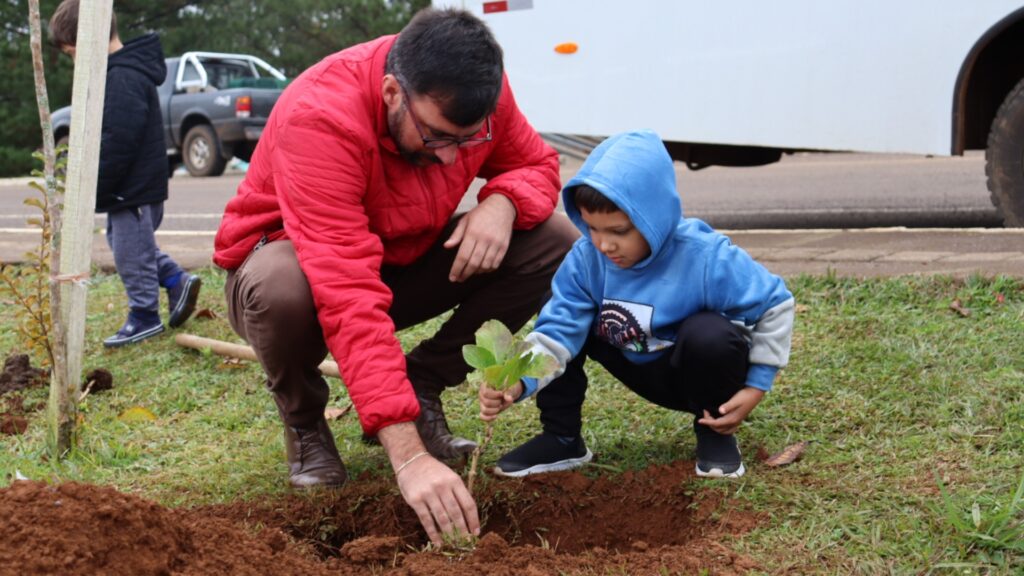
691,268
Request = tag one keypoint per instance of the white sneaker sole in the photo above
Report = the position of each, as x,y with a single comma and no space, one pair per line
113,342
552,467
718,473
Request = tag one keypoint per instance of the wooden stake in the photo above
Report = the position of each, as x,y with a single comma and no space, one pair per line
240,351
75,235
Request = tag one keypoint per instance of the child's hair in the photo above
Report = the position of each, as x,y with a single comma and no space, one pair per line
64,24
589,199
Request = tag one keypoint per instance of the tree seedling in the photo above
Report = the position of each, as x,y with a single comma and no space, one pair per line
500,361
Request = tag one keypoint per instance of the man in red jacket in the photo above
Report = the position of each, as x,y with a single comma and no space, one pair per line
344,231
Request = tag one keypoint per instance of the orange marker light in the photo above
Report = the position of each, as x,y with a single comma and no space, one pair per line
567,48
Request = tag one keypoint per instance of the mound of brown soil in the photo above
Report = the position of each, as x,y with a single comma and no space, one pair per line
84,529
646,522
19,374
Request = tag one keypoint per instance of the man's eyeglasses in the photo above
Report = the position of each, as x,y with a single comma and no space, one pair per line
444,141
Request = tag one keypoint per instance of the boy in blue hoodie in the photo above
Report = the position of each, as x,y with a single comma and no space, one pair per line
132,181
667,305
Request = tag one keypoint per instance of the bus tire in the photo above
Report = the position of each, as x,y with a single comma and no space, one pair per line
1004,158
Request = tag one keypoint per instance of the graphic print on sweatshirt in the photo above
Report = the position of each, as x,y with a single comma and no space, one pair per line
627,326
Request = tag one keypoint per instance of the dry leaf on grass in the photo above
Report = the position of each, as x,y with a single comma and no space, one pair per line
788,455
206,313
957,307
137,414
332,413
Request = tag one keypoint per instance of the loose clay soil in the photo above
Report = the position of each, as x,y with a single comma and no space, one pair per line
18,374
646,522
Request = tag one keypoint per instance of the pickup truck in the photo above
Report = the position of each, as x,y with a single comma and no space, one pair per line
214,107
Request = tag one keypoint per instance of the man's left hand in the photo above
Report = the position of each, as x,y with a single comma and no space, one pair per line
483,236
734,411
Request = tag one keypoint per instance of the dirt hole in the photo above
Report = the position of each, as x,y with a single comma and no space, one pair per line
566,512
645,522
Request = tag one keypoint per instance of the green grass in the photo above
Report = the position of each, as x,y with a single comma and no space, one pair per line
915,416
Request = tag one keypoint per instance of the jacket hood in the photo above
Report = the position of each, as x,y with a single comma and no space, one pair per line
144,54
633,170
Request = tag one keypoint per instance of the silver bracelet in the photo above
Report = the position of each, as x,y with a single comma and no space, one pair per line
409,461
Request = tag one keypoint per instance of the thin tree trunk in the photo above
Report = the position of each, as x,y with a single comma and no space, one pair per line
62,405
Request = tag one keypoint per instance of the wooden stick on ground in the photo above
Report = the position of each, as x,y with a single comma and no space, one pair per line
240,351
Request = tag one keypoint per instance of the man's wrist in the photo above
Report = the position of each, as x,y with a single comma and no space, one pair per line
509,204
401,442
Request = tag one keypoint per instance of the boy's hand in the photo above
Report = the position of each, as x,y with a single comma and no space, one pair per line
734,411
494,402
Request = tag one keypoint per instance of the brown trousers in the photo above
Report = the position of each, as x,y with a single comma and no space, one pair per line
270,305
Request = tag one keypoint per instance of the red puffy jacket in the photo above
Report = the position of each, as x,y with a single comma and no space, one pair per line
327,175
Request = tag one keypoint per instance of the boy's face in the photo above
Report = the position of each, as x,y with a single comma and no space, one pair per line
69,50
615,236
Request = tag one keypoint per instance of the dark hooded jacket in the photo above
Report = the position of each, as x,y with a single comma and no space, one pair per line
133,154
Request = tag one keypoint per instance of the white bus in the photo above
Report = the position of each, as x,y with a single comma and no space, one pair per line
739,82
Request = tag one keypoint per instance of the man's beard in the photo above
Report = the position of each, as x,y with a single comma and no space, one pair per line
417,158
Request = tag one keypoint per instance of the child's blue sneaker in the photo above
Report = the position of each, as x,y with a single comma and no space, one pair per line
718,455
138,327
182,297
544,453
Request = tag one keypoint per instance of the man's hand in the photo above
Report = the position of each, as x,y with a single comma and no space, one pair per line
494,402
483,236
734,411
431,489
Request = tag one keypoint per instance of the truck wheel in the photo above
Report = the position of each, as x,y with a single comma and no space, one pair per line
201,153
1004,158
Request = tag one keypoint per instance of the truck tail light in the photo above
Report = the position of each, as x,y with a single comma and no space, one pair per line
243,107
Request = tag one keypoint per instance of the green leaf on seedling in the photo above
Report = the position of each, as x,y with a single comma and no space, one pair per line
477,356
500,361
494,336
492,375
541,365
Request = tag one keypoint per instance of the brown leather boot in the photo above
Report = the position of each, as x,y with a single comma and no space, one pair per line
313,459
433,428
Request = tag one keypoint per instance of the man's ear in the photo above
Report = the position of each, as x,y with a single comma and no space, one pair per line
391,91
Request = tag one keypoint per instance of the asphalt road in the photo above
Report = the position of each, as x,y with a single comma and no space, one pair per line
793,214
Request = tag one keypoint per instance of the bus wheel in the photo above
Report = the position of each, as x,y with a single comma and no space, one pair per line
1004,158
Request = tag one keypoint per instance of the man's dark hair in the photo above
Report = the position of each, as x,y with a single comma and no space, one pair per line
64,24
451,56
589,199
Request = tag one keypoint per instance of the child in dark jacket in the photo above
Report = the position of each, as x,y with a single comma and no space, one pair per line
667,305
132,183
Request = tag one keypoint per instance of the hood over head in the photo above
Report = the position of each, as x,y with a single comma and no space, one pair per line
144,54
633,170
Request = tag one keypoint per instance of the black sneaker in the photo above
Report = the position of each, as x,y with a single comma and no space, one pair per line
137,328
718,455
181,299
544,453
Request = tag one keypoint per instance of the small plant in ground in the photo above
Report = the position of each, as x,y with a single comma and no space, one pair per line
500,361
992,532
28,285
